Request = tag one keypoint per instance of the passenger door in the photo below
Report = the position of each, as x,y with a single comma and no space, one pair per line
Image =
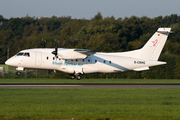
38,58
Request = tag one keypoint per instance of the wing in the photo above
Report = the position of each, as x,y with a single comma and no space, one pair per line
75,53
86,52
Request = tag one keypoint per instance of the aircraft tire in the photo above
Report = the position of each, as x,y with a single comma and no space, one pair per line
78,77
18,73
72,76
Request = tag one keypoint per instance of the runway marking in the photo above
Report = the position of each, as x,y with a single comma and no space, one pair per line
40,85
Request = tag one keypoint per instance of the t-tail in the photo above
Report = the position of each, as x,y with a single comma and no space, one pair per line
153,48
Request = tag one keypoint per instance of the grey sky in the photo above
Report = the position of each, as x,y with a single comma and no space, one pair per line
88,8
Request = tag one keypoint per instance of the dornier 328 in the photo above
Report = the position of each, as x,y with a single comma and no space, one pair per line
77,62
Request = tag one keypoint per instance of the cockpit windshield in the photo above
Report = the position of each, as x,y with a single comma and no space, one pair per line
23,54
20,54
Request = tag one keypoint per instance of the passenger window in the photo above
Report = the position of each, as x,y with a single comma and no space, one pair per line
104,61
83,60
88,60
95,61
109,62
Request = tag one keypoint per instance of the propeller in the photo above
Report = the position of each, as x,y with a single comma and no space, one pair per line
56,49
43,43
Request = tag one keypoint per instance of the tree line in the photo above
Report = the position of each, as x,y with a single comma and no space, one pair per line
103,34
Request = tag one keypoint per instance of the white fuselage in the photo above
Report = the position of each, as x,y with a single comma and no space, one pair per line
97,63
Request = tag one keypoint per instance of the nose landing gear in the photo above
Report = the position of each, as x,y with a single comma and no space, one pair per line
18,73
19,69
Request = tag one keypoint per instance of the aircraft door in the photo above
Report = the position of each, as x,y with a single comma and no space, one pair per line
38,58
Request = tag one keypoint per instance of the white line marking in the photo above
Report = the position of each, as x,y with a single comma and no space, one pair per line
40,85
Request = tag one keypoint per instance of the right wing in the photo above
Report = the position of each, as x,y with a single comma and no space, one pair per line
75,53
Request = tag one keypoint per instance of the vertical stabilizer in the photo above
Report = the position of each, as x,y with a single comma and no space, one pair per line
152,49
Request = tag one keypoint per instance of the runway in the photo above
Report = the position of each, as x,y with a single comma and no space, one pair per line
90,85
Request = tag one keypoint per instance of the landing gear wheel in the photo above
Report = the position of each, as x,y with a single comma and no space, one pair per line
72,76
78,77
18,73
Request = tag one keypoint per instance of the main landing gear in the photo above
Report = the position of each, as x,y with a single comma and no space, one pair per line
78,76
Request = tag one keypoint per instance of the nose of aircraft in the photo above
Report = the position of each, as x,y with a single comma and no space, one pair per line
10,62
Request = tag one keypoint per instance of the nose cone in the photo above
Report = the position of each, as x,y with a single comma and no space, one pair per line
11,62
8,62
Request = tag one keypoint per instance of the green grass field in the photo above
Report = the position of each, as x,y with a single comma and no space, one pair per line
83,103
88,103
48,80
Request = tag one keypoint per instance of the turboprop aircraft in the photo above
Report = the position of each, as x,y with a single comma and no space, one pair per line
77,62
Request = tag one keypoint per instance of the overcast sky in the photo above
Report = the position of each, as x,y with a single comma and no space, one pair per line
88,8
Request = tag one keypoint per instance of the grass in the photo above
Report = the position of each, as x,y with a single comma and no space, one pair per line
46,80
80,103
6,67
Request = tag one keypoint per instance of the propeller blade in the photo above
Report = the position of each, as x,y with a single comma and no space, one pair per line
56,49
43,43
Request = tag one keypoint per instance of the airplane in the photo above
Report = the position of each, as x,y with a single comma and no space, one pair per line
77,62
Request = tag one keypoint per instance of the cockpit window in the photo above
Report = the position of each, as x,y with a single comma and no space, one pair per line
23,54
26,54
20,54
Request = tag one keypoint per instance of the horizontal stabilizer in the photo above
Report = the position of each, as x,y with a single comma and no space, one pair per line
164,30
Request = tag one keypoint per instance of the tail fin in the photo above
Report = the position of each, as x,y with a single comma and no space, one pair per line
152,49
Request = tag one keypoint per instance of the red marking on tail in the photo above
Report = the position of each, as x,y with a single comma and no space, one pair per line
155,42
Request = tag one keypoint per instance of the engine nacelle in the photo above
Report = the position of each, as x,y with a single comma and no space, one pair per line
70,54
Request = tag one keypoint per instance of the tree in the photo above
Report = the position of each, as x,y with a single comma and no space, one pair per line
98,17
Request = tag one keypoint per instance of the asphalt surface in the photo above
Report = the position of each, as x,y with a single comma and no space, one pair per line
39,85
